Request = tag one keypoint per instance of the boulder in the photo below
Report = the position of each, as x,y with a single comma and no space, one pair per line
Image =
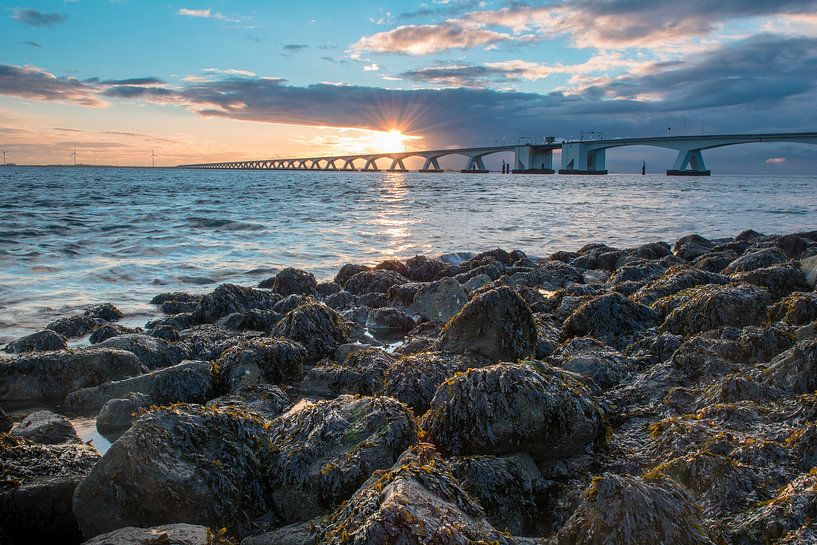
586,356
755,260
797,309
712,306
178,307
439,301
414,378
628,510
189,463
179,296
170,534
260,360
392,265
497,325
423,269
38,485
74,326
637,271
108,331
506,408
795,370
340,301
389,319
106,312
779,280
291,280
291,302
265,400
476,282
809,267
315,326
611,318
46,428
42,341
50,376
509,488
229,298
373,281
361,372
186,382
326,289
417,501
692,247
322,453
154,353
674,280
117,415
348,271
251,320
5,421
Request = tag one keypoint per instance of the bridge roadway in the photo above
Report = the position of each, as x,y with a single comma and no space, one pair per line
577,157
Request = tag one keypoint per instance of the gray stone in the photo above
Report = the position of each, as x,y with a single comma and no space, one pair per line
117,415
46,428
439,301
42,341
170,534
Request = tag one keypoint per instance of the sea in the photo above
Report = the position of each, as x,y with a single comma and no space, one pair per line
72,236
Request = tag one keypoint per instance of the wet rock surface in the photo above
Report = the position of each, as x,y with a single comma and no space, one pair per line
671,400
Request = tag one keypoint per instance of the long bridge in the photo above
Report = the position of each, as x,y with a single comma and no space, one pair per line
577,156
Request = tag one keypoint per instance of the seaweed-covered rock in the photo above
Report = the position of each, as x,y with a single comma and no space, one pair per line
348,271
637,271
629,510
414,378
390,319
117,415
340,301
418,500
609,318
797,309
315,326
170,534
692,247
509,488
373,281
712,306
439,301
198,464
780,280
755,260
260,360
74,326
674,280
602,364
809,268
42,341
106,312
423,269
505,408
265,400
108,331
46,428
789,513
361,372
251,320
185,382
322,453
153,352
497,325
37,488
229,298
50,376
795,370
5,421
290,281
179,296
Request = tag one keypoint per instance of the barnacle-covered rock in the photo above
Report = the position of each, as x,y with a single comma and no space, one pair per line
628,510
42,341
260,360
229,298
611,318
202,465
712,306
497,325
50,376
322,453
316,327
414,378
505,408
37,487
361,372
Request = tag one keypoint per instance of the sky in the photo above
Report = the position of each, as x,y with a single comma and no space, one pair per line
129,82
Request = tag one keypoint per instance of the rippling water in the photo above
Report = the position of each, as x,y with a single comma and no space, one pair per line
73,236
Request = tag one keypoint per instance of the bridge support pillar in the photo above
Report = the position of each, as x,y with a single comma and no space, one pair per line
397,166
532,160
689,163
474,165
370,166
580,158
349,164
431,165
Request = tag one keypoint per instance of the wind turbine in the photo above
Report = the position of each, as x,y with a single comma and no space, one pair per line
74,155
4,156
152,159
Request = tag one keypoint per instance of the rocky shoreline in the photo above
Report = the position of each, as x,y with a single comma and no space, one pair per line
654,394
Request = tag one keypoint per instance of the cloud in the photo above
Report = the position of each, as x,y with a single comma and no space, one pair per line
229,72
206,13
374,67
294,48
33,17
775,160
33,83
467,75
133,81
426,39
31,44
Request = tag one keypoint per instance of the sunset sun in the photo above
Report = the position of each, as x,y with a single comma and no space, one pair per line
390,142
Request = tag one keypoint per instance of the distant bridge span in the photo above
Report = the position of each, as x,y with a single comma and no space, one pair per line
578,157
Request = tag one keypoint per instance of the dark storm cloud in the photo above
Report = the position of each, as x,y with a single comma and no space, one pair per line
36,84
33,17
